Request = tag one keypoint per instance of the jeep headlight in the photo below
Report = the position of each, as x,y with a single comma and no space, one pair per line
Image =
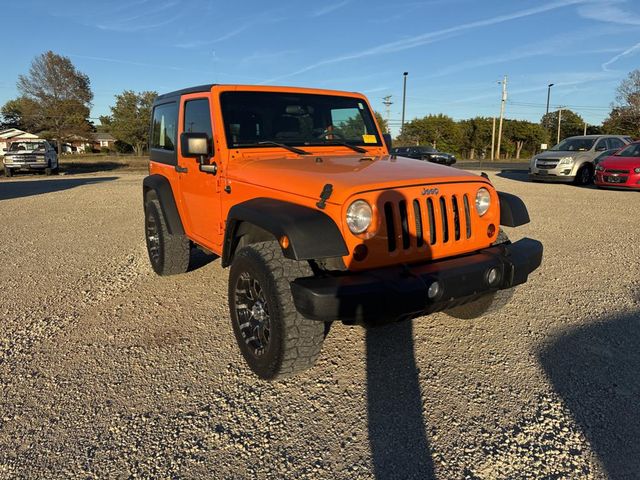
566,161
359,216
483,201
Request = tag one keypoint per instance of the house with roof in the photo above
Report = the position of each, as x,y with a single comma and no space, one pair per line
103,140
11,135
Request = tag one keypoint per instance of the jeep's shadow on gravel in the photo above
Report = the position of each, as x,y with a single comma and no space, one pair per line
397,436
596,371
27,188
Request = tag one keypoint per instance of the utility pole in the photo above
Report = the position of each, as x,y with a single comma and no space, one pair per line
585,128
559,123
387,103
404,100
493,139
502,104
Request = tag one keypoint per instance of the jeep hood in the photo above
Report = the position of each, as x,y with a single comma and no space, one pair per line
349,175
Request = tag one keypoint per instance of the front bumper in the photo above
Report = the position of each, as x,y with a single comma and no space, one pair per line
560,174
630,180
396,293
25,166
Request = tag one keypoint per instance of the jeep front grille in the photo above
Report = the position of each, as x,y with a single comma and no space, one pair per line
611,170
434,220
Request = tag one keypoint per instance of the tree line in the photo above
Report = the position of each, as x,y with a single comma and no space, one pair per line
55,101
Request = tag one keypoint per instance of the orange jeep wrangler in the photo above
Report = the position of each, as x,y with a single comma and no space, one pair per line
295,189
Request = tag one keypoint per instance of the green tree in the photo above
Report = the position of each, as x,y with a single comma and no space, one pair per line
475,134
21,113
382,122
521,133
624,118
62,95
440,131
129,120
571,124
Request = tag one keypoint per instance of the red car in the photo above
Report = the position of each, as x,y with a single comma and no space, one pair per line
621,169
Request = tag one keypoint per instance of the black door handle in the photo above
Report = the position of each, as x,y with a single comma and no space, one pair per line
180,169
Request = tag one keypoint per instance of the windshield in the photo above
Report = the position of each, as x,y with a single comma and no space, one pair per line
574,145
632,150
18,146
251,118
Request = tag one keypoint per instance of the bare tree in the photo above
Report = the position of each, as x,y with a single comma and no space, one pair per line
625,115
63,96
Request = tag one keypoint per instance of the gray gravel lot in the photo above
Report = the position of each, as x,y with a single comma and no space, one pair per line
108,371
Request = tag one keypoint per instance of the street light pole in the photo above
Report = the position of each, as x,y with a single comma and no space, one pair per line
546,116
503,100
404,100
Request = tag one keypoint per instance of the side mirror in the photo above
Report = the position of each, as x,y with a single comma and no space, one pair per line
195,145
387,140
601,149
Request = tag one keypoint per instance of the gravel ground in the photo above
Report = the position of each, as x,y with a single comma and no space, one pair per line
108,371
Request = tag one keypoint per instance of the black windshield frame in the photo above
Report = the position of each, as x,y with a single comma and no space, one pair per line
310,117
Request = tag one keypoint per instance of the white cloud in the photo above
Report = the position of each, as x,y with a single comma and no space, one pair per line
629,51
609,11
329,8
430,37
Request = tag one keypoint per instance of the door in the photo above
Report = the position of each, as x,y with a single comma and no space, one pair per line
200,191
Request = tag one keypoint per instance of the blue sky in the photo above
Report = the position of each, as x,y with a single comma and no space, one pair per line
454,50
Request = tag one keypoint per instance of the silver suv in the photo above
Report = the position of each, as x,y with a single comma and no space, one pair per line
572,159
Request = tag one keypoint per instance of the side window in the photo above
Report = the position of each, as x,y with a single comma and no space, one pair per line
615,143
165,120
197,117
601,146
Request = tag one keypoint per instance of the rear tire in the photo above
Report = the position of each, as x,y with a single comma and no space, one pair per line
169,254
275,340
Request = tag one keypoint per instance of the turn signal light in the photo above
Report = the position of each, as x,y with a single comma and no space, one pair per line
284,242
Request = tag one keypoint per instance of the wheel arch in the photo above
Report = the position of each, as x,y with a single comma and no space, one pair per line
312,234
161,186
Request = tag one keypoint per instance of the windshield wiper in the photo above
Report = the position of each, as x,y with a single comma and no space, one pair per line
299,151
345,144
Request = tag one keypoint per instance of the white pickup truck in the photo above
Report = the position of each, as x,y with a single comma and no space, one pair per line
30,155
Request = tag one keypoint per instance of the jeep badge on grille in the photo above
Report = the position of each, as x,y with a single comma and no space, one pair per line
430,191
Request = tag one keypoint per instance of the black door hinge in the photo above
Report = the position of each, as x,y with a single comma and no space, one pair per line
327,190
227,189
180,169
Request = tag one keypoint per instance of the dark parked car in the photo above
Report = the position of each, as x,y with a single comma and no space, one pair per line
425,153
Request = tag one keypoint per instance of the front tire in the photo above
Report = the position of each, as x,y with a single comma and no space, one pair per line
275,340
8,172
584,175
169,254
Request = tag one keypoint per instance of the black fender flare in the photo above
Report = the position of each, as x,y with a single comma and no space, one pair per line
312,234
513,211
161,186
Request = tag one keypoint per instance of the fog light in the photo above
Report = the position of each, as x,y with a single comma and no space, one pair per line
493,277
360,252
491,230
435,289
566,172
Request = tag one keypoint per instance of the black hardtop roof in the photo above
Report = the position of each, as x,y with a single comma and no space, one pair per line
184,91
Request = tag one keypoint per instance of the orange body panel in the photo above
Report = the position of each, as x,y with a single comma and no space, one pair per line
204,200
